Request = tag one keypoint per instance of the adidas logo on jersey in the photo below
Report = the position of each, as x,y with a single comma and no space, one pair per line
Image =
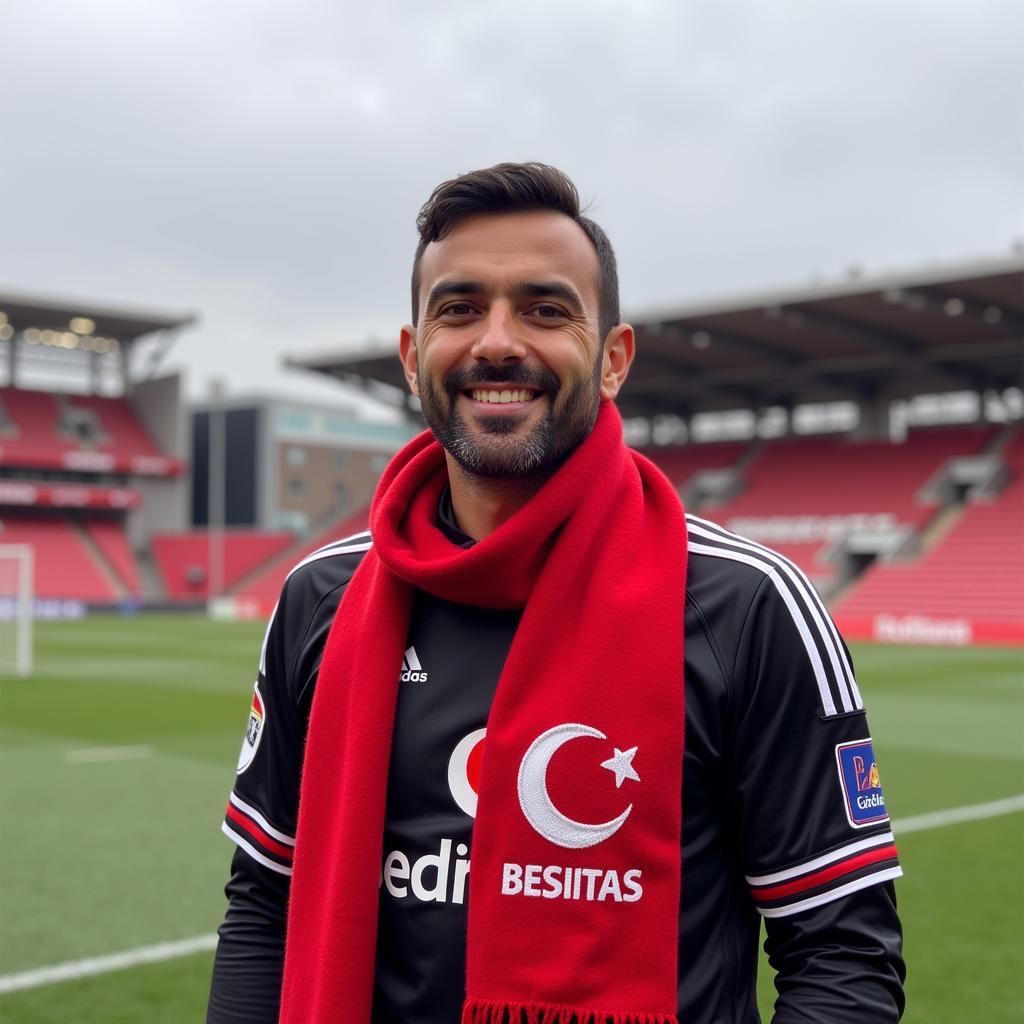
412,670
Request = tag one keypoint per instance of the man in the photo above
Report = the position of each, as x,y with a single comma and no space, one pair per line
508,665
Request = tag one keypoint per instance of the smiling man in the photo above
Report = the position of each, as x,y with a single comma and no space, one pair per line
512,350
538,746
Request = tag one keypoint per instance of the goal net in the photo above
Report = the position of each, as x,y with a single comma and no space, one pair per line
16,598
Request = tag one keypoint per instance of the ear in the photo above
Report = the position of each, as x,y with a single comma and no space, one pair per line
408,354
619,350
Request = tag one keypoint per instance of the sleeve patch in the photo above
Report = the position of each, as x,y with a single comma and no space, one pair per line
253,731
858,778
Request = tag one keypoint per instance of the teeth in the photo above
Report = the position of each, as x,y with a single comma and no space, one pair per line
501,397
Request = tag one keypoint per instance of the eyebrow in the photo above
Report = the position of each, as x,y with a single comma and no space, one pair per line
531,289
444,289
551,290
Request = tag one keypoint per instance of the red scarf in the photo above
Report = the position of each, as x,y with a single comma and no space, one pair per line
558,931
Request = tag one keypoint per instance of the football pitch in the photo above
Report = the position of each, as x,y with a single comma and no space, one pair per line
116,758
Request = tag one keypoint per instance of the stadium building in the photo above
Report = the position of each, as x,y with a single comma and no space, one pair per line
286,477
869,429
92,447
288,465
107,499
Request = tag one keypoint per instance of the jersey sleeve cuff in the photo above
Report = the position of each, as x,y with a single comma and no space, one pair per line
826,878
249,829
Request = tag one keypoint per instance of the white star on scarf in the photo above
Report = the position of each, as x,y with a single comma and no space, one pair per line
622,765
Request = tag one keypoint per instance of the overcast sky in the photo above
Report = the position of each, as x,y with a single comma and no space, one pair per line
262,163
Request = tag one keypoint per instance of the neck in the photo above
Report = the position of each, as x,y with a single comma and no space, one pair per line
481,504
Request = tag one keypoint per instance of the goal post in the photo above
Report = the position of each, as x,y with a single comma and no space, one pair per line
16,600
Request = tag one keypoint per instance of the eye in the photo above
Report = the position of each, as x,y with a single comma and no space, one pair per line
456,309
549,311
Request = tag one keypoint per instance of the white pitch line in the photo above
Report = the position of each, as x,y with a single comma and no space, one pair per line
203,943
104,964
955,815
99,755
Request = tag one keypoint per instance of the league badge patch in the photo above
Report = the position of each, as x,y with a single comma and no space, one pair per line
858,776
253,731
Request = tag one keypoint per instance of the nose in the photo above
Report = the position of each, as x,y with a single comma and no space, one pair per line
498,341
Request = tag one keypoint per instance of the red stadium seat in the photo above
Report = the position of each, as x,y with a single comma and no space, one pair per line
34,432
124,434
30,436
822,482
263,587
680,464
64,567
976,570
110,538
184,558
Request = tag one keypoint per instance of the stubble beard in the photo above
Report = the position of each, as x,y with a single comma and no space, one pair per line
494,449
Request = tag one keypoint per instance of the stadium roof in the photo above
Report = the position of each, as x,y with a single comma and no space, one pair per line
948,328
25,312
50,340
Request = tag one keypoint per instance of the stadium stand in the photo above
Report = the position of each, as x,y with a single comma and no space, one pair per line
916,536
109,537
801,494
821,484
30,434
969,584
184,558
90,448
120,429
64,565
81,556
51,430
680,464
833,475
260,590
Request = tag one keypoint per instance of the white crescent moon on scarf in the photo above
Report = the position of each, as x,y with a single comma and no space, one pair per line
536,802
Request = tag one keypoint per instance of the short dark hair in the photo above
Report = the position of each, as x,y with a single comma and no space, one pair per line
515,188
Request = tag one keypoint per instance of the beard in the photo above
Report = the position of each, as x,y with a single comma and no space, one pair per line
493,448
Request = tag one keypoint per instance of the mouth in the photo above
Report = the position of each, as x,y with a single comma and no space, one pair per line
495,396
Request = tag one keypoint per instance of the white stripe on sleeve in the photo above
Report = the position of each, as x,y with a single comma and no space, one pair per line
833,894
253,852
820,862
282,837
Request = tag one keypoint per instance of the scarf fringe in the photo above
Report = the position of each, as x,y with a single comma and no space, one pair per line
495,1011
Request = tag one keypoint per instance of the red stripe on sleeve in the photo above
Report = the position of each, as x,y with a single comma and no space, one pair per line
843,867
272,845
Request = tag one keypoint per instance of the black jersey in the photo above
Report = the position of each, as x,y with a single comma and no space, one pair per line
783,813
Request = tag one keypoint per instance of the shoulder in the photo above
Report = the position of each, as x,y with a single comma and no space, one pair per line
305,609
721,561
726,574
727,567
326,568
755,600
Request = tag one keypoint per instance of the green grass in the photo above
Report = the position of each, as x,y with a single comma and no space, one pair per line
98,858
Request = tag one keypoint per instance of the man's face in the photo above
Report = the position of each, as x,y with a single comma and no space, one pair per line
507,359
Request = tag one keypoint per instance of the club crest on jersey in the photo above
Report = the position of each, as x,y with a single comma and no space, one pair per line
253,731
535,800
858,777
